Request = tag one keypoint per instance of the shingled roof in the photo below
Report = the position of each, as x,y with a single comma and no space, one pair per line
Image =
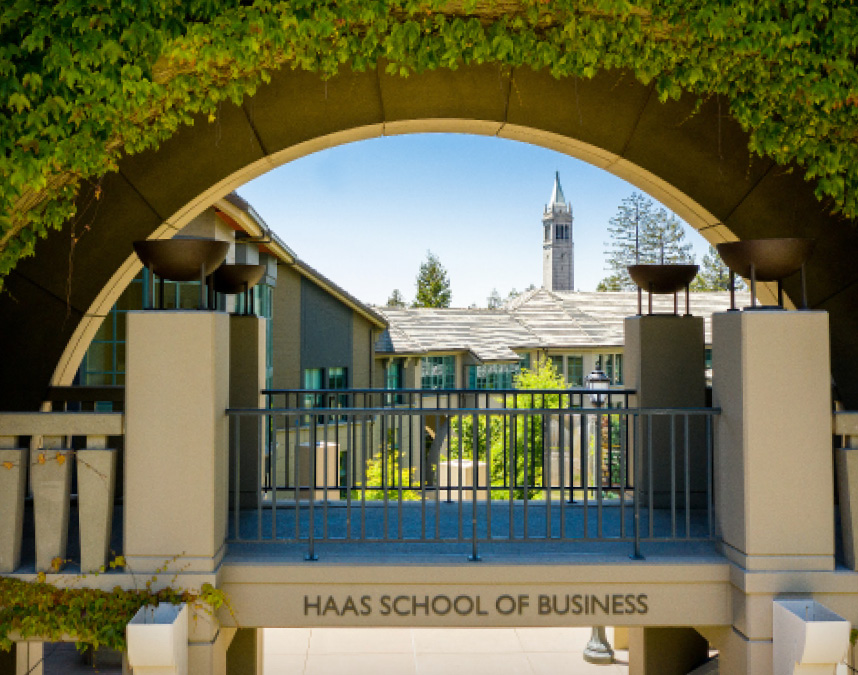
538,319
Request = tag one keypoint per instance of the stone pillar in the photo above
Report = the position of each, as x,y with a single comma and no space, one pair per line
774,491
176,474
246,381
245,654
773,466
666,651
664,363
29,658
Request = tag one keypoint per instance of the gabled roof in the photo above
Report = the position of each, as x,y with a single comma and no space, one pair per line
537,319
243,214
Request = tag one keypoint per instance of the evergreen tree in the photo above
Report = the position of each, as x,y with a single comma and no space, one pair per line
433,285
642,233
396,299
714,275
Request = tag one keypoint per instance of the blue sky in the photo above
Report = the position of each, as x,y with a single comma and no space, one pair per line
365,214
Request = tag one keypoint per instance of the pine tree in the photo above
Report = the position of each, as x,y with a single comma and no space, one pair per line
642,233
396,299
714,275
433,285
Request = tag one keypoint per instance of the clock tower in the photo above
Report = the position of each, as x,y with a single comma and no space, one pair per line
558,263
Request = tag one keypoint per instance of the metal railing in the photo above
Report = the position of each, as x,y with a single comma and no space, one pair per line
510,467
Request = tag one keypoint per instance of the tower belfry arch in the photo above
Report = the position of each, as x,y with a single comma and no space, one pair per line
558,248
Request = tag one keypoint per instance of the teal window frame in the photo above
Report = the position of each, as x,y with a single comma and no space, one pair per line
438,372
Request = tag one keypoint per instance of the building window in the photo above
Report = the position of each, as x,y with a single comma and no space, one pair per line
394,374
707,358
612,366
438,372
547,232
524,362
575,370
325,378
557,362
104,361
492,376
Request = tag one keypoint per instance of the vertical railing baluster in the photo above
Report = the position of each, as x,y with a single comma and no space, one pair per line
423,474
623,422
351,437
488,473
561,469
649,482
528,432
512,460
585,469
599,474
384,477
296,478
687,481
311,553
397,467
475,481
636,458
546,466
235,443
326,471
672,421
460,484
709,469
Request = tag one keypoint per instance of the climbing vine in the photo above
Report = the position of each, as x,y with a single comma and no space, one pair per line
37,609
85,82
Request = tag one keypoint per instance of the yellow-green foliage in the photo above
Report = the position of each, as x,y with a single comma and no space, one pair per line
380,480
83,83
91,616
519,442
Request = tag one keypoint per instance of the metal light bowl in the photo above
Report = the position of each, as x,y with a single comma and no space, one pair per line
231,279
181,259
773,259
662,279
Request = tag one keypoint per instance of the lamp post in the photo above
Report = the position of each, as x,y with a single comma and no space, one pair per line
598,649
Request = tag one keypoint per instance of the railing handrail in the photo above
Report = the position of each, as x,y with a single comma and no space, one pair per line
62,424
428,392
473,411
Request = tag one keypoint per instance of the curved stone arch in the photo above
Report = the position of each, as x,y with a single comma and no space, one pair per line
694,160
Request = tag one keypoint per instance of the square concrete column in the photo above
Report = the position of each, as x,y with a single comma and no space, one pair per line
246,382
666,651
773,465
245,653
176,454
665,365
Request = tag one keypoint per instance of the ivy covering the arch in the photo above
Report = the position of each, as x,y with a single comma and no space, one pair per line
83,82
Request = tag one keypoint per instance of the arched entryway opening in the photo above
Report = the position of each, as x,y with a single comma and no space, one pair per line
695,161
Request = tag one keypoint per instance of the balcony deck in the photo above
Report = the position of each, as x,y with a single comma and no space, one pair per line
440,529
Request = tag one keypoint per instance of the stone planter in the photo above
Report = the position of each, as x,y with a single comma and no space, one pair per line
13,489
157,638
50,473
807,638
96,480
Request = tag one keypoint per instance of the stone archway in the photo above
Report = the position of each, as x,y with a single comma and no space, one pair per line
697,163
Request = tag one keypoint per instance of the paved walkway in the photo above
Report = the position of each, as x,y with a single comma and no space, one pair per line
430,651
